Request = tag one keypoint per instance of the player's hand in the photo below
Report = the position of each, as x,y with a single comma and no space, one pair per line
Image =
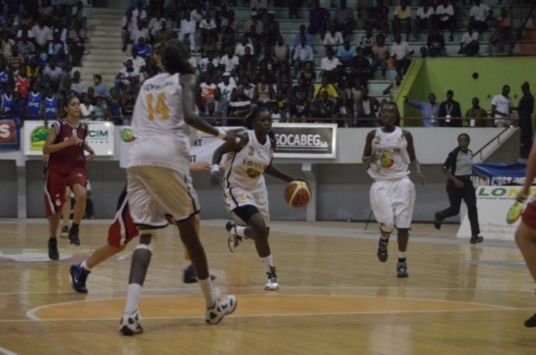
91,155
422,178
74,140
236,136
215,178
305,181
200,166
522,195
459,184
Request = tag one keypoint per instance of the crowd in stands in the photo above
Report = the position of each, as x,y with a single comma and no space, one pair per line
239,65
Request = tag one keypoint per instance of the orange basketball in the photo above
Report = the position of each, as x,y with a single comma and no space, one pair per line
297,194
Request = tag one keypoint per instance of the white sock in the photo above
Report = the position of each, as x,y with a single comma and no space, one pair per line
206,287
84,266
133,298
268,263
240,231
402,254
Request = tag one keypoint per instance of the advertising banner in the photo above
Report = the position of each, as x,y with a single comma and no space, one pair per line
503,173
100,137
9,135
493,204
302,140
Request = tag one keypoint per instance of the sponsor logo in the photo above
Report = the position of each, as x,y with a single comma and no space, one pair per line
38,137
127,135
8,132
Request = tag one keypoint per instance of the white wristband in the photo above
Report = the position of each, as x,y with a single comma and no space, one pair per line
215,168
222,134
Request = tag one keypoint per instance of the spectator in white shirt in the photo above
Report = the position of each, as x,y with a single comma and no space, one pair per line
127,76
240,48
197,14
227,87
446,18
329,63
501,107
229,61
52,75
137,61
139,31
207,26
302,54
479,15
188,28
401,52
139,13
127,26
42,34
155,24
423,18
469,44
209,58
332,38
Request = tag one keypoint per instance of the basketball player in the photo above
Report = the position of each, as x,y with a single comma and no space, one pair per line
66,166
159,181
388,152
244,187
120,233
526,231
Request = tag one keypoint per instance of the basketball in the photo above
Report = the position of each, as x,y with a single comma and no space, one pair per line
297,194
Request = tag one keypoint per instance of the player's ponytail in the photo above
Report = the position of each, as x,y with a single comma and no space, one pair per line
252,115
175,58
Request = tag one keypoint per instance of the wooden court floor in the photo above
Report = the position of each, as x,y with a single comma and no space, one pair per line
335,296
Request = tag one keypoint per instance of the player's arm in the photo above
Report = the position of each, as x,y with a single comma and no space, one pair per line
369,156
50,147
413,158
193,119
227,147
530,173
275,172
90,150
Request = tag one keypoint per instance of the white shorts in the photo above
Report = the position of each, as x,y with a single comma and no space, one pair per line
392,202
235,197
155,191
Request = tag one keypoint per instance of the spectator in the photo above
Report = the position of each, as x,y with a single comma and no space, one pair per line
155,24
139,14
298,102
187,34
52,75
478,114
87,110
127,76
392,89
114,103
144,50
365,109
379,17
239,106
479,15
469,44
137,61
451,111
50,106
207,27
429,109
360,68
264,93
401,53
6,44
271,30
22,84
56,44
255,22
247,58
323,107
318,20
79,14
424,18
217,108
302,54
346,53
436,44
367,41
402,19
446,18
240,48
128,99
139,30
162,35
205,60
100,89
229,62
127,26
525,110
333,39
281,50
101,111
78,38
298,39
380,54
208,88
34,103
211,73
226,87
42,34
77,86
325,86
255,38
503,34
501,107
344,19
15,61
25,47
329,63
344,110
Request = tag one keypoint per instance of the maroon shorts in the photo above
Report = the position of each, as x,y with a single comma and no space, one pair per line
122,230
529,214
55,184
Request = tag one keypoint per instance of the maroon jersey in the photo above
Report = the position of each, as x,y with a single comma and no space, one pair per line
70,157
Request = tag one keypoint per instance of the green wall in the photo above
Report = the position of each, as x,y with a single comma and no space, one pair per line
441,74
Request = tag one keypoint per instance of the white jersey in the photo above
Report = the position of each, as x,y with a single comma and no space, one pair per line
244,169
162,136
393,158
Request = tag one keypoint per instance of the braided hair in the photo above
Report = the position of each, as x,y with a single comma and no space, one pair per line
252,115
175,58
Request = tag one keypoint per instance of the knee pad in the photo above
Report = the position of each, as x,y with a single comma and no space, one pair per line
386,230
146,237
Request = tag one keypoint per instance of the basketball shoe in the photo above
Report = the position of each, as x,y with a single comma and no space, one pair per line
382,249
221,308
78,278
234,239
271,282
64,232
73,236
130,324
401,270
53,252
476,239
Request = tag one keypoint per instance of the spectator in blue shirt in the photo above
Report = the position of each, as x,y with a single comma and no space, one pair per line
144,49
429,110
308,38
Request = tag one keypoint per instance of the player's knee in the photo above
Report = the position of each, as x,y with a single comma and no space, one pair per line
386,230
146,238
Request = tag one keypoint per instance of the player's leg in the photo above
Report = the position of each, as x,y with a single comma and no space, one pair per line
403,203
77,180
380,202
54,198
65,213
526,241
120,233
188,273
